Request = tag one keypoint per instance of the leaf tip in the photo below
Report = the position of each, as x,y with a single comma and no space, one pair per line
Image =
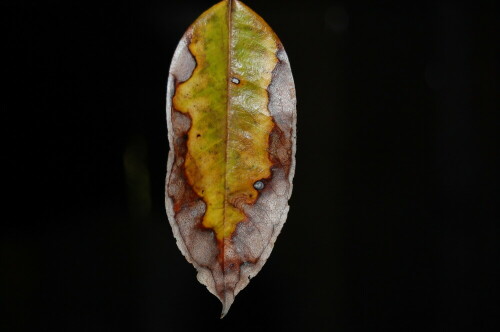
226,303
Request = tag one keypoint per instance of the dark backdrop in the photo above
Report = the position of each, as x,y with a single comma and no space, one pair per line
393,221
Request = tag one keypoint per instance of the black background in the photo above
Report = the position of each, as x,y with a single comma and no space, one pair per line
393,222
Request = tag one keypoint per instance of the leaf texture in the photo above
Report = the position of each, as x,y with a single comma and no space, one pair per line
231,127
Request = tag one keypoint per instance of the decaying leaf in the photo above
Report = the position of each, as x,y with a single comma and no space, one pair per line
231,128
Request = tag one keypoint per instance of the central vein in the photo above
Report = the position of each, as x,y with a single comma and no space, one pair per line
228,89
228,109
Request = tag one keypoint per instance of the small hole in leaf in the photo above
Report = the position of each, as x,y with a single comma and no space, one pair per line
259,185
235,80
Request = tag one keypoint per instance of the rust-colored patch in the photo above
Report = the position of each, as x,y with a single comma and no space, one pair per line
186,197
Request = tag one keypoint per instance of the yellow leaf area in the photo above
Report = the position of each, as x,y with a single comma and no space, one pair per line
226,99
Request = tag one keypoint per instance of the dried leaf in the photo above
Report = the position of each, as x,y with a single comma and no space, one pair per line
231,128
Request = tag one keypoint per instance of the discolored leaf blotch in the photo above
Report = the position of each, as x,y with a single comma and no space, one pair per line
231,127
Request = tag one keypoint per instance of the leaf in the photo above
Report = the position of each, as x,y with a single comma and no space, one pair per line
231,129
